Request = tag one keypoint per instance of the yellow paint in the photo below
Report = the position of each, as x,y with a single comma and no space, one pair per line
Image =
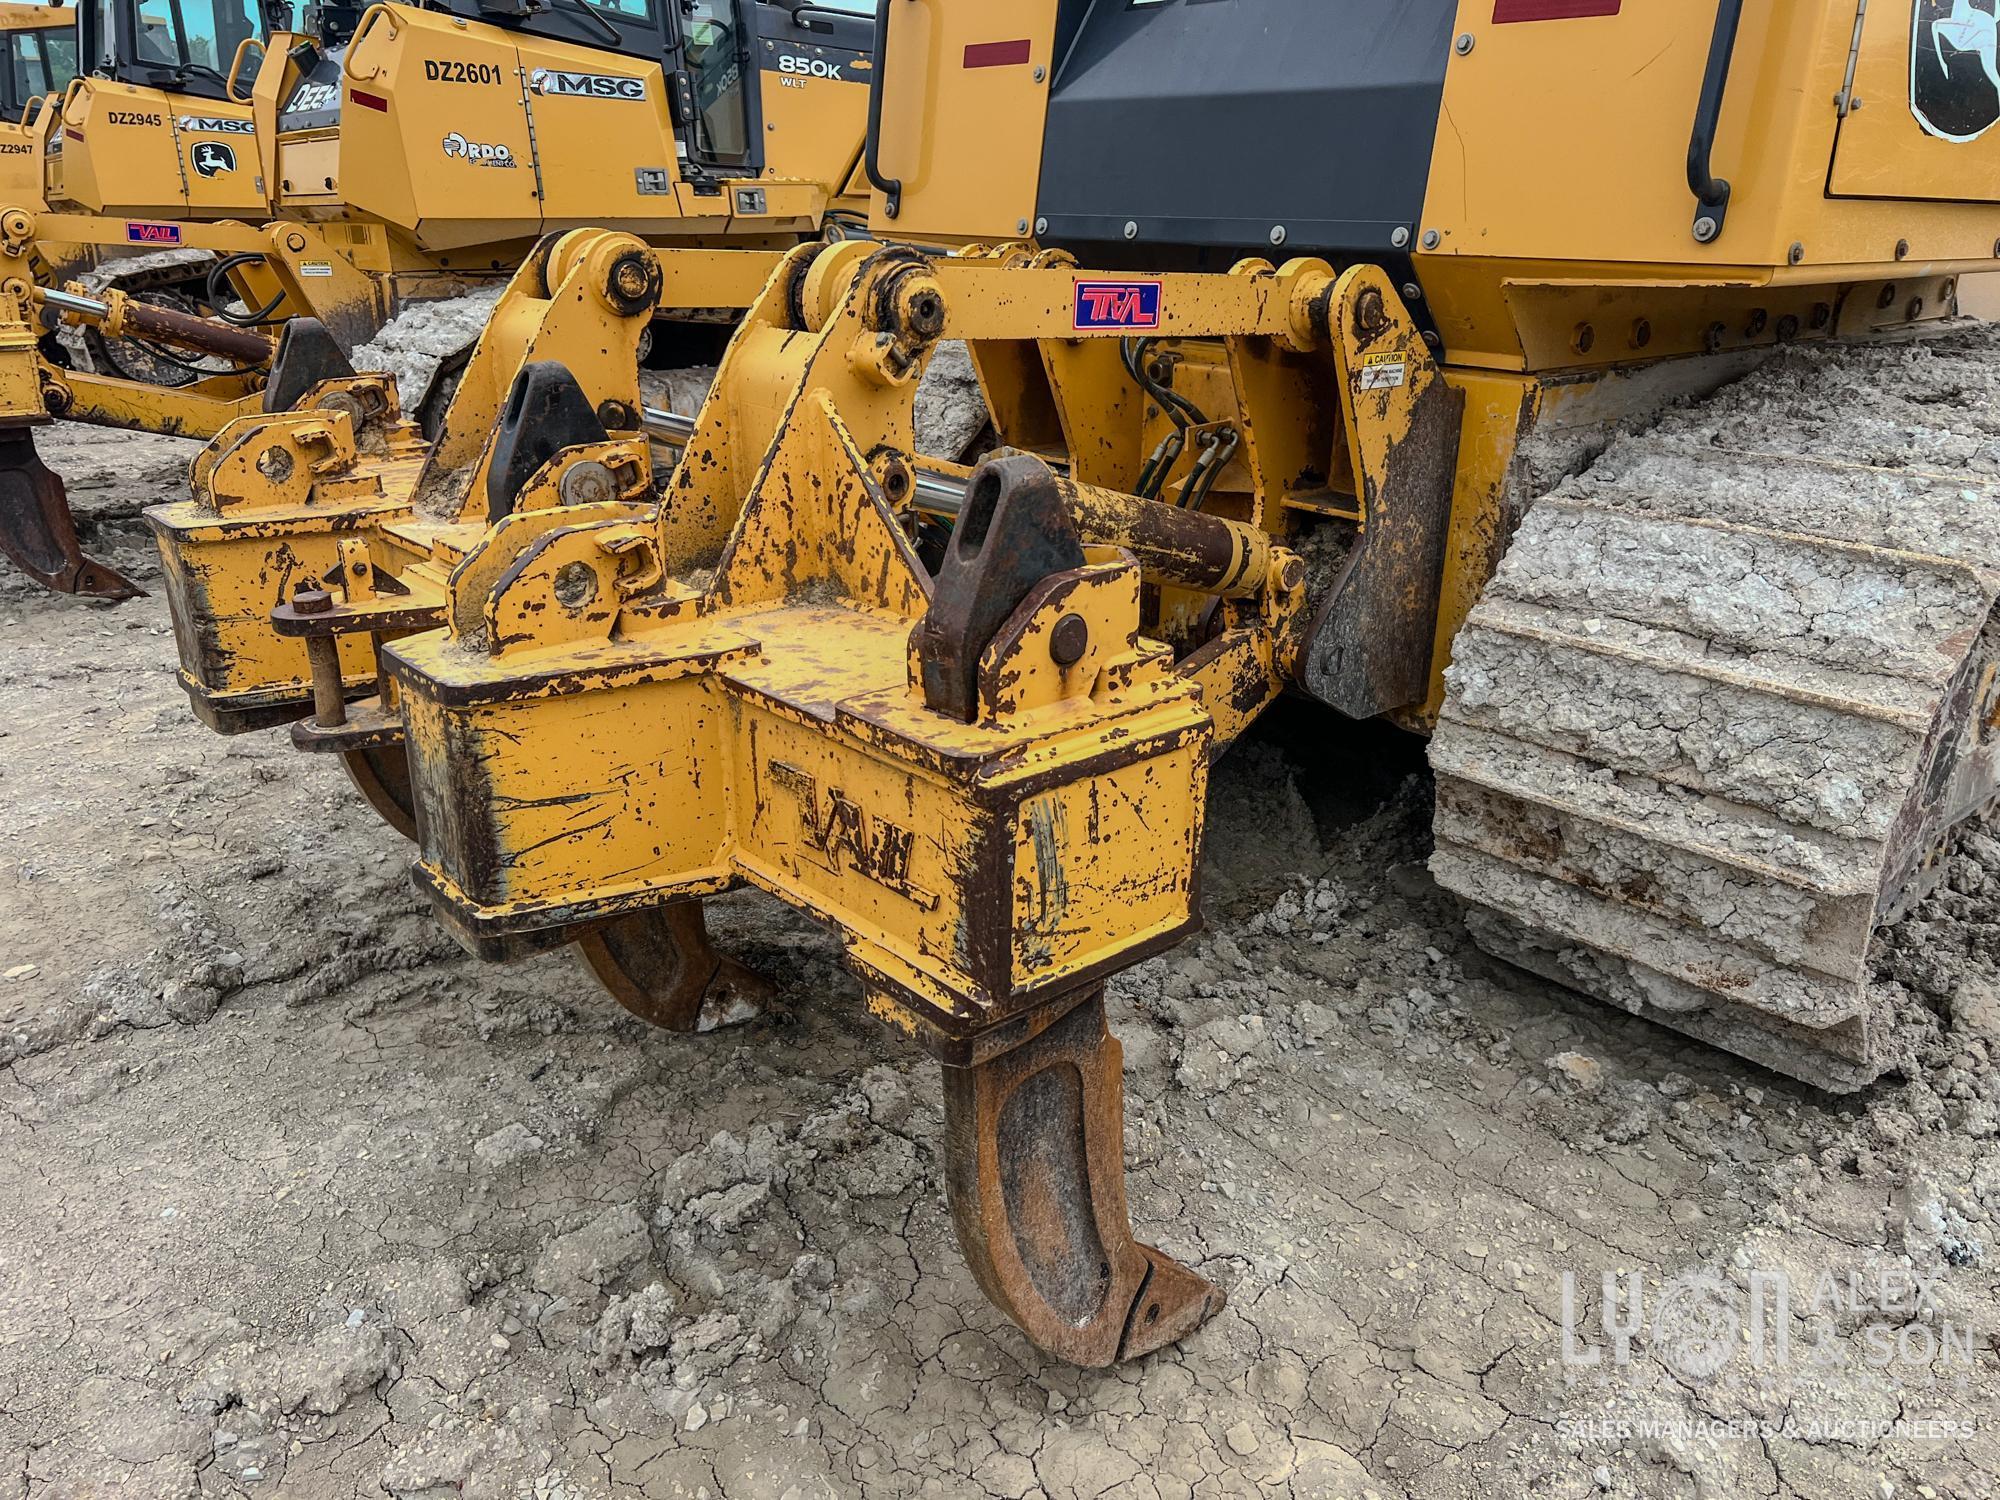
1582,178
126,150
23,141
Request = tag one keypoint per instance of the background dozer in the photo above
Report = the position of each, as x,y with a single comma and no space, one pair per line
1700,722
38,49
475,136
413,152
147,130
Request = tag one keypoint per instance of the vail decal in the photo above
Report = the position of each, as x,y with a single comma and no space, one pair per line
1118,304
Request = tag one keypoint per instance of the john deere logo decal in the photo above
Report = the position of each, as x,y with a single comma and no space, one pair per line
1955,68
212,158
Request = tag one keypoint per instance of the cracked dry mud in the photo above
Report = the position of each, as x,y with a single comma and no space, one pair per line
295,1200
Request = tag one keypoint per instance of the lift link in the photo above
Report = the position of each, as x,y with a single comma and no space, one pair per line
991,784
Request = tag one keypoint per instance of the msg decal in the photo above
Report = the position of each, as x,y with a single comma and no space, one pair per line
554,82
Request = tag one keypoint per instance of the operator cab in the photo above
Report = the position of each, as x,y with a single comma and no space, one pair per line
180,46
708,49
34,63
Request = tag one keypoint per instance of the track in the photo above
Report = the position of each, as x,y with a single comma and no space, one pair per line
1729,693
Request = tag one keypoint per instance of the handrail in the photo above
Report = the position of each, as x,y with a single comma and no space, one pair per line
1711,193
366,24
236,66
891,188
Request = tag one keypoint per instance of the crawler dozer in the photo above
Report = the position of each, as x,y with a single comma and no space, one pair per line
402,153
1700,723
37,61
407,153
148,132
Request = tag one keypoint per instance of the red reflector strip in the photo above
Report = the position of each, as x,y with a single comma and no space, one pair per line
998,54
369,101
1551,10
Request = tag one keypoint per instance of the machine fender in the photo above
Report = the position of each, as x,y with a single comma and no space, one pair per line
1368,647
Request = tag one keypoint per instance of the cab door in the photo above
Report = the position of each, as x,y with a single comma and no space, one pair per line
717,53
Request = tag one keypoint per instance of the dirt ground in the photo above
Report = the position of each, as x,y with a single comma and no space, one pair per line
297,1200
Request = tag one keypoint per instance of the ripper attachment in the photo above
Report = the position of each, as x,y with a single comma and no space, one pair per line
37,531
990,781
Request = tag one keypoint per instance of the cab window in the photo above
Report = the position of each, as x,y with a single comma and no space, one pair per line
194,33
715,46
39,62
58,50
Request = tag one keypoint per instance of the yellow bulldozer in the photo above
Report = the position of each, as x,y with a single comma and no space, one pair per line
1701,719
401,154
38,51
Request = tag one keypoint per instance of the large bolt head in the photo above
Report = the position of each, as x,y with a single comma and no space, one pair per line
1069,640
629,279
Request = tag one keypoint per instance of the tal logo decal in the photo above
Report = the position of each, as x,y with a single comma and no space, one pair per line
1118,304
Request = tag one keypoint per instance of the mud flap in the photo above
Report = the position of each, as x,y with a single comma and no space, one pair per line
37,531
1369,646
